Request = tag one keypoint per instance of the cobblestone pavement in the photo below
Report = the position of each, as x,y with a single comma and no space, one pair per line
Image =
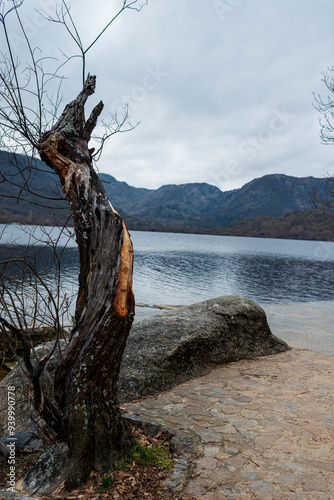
264,427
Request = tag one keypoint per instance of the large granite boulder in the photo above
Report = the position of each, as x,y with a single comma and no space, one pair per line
8,495
170,348
26,418
49,471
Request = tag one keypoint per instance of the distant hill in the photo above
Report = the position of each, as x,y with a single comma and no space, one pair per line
30,209
193,207
271,195
200,207
307,225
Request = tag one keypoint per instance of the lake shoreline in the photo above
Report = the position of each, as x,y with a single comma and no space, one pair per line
243,229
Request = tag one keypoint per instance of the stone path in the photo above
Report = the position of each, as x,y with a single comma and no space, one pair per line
263,428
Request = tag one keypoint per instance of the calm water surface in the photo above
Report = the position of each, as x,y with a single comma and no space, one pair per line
185,268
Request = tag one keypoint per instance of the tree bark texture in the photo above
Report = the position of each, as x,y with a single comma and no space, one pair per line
86,379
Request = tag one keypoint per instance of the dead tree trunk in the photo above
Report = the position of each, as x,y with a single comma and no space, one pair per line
86,379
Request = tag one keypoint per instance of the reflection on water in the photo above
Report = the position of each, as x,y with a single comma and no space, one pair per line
184,268
192,277
44,259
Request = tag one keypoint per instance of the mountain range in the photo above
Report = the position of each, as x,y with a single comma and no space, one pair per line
192,207
201,206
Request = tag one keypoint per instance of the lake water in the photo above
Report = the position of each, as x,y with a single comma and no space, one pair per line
180,269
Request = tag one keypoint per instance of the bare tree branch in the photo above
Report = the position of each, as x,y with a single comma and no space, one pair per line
326,108
325,200
70,26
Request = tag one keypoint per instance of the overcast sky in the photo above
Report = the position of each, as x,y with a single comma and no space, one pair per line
222,88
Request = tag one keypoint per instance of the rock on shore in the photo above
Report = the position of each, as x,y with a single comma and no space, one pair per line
170,348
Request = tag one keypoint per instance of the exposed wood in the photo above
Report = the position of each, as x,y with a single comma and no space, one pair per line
124,290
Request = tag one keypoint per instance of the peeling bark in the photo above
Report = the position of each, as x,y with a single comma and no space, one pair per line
86,379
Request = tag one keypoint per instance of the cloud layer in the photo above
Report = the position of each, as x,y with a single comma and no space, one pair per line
223,88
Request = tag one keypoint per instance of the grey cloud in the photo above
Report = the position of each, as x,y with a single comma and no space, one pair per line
219,76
